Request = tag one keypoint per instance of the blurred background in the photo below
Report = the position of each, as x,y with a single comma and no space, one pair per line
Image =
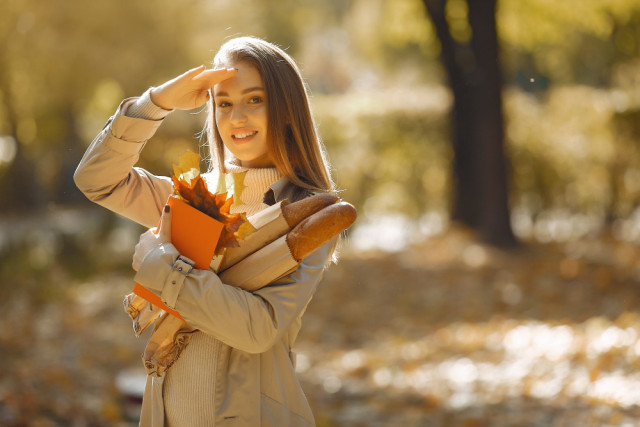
492,150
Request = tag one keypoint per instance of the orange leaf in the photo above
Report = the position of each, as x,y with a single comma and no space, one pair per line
195,192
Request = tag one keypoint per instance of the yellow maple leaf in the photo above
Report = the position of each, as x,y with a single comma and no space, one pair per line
245,229
238,187
188,166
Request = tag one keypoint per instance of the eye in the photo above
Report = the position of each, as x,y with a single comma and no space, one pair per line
223,104
255,100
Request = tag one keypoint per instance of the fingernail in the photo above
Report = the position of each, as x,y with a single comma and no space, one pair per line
167,208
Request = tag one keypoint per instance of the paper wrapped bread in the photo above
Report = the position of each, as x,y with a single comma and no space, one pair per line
294,232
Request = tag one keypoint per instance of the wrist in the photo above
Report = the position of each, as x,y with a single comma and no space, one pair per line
158,101
144,108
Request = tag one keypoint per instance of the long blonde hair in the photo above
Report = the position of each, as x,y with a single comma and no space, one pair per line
296,149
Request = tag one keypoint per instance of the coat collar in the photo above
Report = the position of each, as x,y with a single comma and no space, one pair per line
280,190
274,193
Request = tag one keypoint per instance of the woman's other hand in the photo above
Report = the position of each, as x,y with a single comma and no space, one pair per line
152,238
189,90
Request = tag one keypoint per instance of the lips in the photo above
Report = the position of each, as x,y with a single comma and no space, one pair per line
243,134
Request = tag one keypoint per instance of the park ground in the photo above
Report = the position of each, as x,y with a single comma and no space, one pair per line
444,332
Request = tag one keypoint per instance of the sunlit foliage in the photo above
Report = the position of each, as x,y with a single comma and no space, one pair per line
414,325
362,60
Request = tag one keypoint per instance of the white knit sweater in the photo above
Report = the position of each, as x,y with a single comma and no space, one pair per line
256,183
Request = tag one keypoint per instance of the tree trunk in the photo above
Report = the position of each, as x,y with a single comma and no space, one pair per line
479,168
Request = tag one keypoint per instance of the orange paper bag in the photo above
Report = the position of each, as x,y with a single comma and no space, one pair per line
195,235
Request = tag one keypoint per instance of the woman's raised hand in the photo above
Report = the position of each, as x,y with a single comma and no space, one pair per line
189,90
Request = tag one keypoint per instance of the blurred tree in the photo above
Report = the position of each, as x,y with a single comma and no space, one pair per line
56,58
567,42
66,65
470,56
18,189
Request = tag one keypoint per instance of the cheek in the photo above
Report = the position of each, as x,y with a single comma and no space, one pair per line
263,111
220,127
261,116
222,123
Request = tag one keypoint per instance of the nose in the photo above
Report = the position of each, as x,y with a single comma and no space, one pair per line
238,115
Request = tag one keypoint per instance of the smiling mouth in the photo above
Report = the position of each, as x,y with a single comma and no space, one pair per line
244,135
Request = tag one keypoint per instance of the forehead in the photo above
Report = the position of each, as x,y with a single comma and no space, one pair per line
248,77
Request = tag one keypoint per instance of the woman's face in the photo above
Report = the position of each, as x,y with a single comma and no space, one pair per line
241,116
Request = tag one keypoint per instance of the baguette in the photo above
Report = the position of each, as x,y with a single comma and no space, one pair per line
319,228
295,212
273,222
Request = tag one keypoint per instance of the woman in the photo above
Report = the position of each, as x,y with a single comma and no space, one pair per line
238,368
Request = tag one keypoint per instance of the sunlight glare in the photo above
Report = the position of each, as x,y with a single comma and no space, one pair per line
519,358
8,149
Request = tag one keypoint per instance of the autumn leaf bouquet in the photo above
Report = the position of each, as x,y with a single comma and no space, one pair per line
191,188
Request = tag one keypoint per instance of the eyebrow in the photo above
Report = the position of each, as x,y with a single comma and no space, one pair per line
244,92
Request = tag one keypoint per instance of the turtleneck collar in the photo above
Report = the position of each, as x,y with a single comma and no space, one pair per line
250,185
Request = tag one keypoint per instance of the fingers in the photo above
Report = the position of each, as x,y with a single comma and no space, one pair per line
193,72
211,78
203,97
204,79
164,233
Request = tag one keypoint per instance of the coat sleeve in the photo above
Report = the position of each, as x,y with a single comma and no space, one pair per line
249,321
107,176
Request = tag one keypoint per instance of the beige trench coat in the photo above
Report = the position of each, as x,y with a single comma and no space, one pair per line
256,382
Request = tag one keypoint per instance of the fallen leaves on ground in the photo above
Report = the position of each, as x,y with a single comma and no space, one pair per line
451,332
445,333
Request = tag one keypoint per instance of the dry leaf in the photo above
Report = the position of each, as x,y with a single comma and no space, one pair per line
188,167
192,188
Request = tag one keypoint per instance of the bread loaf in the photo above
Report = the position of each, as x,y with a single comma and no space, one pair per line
319,228
297,211
273,222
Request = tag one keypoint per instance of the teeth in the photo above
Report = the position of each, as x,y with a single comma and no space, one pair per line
244,135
